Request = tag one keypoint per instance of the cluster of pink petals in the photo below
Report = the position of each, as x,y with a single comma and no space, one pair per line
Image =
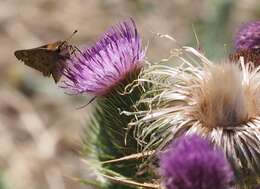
191,163
103,65
248,36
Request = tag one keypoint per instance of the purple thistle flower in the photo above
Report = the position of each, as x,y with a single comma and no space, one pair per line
248,36
101,67
192,163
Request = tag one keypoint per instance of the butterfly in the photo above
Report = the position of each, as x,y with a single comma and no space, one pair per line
49,59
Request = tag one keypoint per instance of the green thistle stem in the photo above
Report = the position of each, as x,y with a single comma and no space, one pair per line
110,135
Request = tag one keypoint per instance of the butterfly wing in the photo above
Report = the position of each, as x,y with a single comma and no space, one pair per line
39,59
49,59
57,70
64,53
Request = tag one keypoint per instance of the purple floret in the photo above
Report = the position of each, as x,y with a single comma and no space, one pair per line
192,163
248,36
102,66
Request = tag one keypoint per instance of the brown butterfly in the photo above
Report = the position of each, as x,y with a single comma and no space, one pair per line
49,59
250,55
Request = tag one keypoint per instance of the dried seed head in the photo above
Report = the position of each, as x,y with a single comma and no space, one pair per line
217,101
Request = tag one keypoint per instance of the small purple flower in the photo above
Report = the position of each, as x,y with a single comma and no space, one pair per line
248,36
192,163
101,67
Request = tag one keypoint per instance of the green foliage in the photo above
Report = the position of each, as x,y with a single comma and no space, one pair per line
3,184
215,26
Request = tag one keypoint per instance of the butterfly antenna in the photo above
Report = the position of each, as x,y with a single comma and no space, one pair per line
70,37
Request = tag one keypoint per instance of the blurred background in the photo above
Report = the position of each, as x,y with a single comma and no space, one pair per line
40,126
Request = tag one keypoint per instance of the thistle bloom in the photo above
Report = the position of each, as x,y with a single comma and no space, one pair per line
248,36
191,163
247,43
217,101
102,66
